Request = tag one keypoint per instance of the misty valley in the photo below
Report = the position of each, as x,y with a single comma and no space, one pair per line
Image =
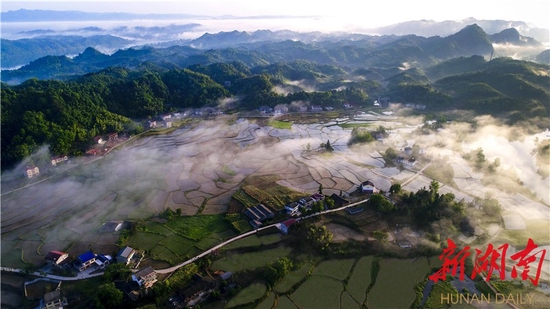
272,169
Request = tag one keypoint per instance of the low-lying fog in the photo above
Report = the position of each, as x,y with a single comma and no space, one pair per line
198,170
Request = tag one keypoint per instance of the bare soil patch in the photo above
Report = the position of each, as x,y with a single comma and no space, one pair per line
342,233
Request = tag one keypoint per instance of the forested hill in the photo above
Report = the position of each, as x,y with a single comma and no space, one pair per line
67,115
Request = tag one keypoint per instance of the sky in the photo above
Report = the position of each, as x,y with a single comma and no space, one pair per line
371,14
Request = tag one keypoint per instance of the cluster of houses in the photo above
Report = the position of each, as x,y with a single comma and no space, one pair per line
31,171
133,289
293,209
260,213
102,144
282,109
60,260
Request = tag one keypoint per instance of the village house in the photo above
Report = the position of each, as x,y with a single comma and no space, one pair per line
302,108
112,226
152,124
99,140
166,117
316,108
59,159
292,208
347,105
145,277
265,110
31,171
125,255
259,213
53,300
281,109
338,200
57,258
307,202
284,226
85,260
410,162
329,108
168,124
112,137
102,260
93,152
368,187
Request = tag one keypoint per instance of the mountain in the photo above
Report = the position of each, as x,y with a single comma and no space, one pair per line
544,57
429,28
502,85
22,51
512,36
471,40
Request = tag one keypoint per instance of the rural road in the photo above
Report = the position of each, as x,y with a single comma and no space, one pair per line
168,270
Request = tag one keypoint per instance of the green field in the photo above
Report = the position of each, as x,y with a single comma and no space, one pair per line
284,303
394,285
198,227
318,292
280,124
181,237
251,260
267,303
248,294
346,302
250,241
292,278
360,279
337,269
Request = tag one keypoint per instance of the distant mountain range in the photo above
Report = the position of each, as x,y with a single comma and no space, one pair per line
431,28
19,52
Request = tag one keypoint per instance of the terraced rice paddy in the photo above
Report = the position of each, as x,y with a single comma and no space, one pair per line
196,170
395,282
248,294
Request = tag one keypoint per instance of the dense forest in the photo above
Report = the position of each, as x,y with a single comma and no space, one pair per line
67,115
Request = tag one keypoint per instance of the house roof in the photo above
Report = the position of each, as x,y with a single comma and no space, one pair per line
289,222
338,200
85,257
103,257
54,255
52,296
259,212
144,272
368,183
226,275
126,252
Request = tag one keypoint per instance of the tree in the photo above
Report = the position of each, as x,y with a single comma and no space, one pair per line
320,188
480,158
380,236
381,203
328,147
395,189
109,296
317,206
319,237
116,271
330,203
